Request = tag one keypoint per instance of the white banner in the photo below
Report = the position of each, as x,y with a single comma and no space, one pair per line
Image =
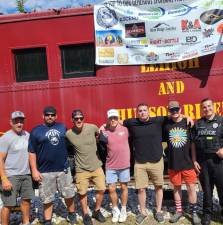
132,32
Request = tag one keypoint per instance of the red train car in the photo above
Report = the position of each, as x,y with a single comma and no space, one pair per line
47,58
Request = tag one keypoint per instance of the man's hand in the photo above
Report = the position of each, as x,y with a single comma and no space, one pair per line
189,121
37,176
6,184
197,167
220,153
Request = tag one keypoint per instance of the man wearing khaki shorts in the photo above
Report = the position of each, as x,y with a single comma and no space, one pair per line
49,164
88,166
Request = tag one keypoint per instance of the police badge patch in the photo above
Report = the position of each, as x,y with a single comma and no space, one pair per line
106,17
215,125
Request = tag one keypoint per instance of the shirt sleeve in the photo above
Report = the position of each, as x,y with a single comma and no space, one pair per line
4,144
32,143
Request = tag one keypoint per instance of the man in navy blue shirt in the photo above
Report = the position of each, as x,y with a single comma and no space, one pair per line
49,164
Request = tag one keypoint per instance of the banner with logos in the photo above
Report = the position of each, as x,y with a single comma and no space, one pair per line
132,32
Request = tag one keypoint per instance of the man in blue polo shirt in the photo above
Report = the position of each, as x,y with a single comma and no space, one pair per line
49,164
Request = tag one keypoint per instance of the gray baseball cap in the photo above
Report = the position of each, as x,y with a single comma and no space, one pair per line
17,114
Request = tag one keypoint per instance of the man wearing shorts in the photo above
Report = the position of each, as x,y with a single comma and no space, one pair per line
146,134
14,169
88,165
49,164
178,136
115,136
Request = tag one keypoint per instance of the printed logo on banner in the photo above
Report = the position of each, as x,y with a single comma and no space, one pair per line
123,58
180,10
128,18
189,55
161,42
152,56
191,40
220,28
138,57
106,17
209,48
172,56
135,30
161,27
189,25
109,38
106,52
140,43
208,32
154,13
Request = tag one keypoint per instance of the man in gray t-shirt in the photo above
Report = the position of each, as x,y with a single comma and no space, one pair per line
14,168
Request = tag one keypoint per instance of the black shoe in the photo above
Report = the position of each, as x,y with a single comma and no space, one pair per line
206,219
87,220
98,216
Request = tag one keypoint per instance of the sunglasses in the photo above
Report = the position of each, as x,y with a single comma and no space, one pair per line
175,109
49,114
78,118
18,120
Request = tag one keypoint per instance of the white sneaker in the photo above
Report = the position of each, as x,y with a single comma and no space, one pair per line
115,215
123,216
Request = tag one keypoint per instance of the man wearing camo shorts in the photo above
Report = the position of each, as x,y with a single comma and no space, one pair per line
49,164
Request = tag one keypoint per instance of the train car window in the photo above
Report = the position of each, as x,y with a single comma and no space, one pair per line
30,64
78,60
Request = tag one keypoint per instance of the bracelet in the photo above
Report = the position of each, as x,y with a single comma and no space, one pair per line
4,177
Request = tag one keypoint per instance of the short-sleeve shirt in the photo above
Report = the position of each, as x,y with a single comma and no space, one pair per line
118,152
178,137
85,148
16,147
147,138
48,143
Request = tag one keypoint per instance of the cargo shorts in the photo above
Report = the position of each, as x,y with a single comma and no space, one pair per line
56,181
21,186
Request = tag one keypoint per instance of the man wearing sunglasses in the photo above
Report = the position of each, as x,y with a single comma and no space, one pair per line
115,137
14,168
178,136
88,165
48,159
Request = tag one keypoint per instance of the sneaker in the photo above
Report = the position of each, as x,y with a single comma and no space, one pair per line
87,220
159,217
115,215
123,216
196,219
206,219
176,216
47,223
98,216
71,218
140,218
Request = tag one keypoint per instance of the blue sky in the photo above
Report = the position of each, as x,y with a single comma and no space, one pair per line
10,6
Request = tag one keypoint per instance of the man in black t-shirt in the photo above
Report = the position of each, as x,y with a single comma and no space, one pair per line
178,136
146,135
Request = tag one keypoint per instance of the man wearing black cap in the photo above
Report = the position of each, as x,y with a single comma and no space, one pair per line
14,168
88,165
49,164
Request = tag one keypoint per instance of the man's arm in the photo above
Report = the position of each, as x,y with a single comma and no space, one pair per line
197,166
6,184
35,172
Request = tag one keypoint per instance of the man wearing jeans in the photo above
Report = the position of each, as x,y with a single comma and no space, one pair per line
49,164
14,168
115,136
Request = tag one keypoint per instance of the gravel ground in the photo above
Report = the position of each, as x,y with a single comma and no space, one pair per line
132,208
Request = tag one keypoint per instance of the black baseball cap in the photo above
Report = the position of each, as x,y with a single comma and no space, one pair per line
49,110
77,112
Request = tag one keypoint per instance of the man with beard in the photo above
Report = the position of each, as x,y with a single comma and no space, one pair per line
208,142
14,169
49,164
